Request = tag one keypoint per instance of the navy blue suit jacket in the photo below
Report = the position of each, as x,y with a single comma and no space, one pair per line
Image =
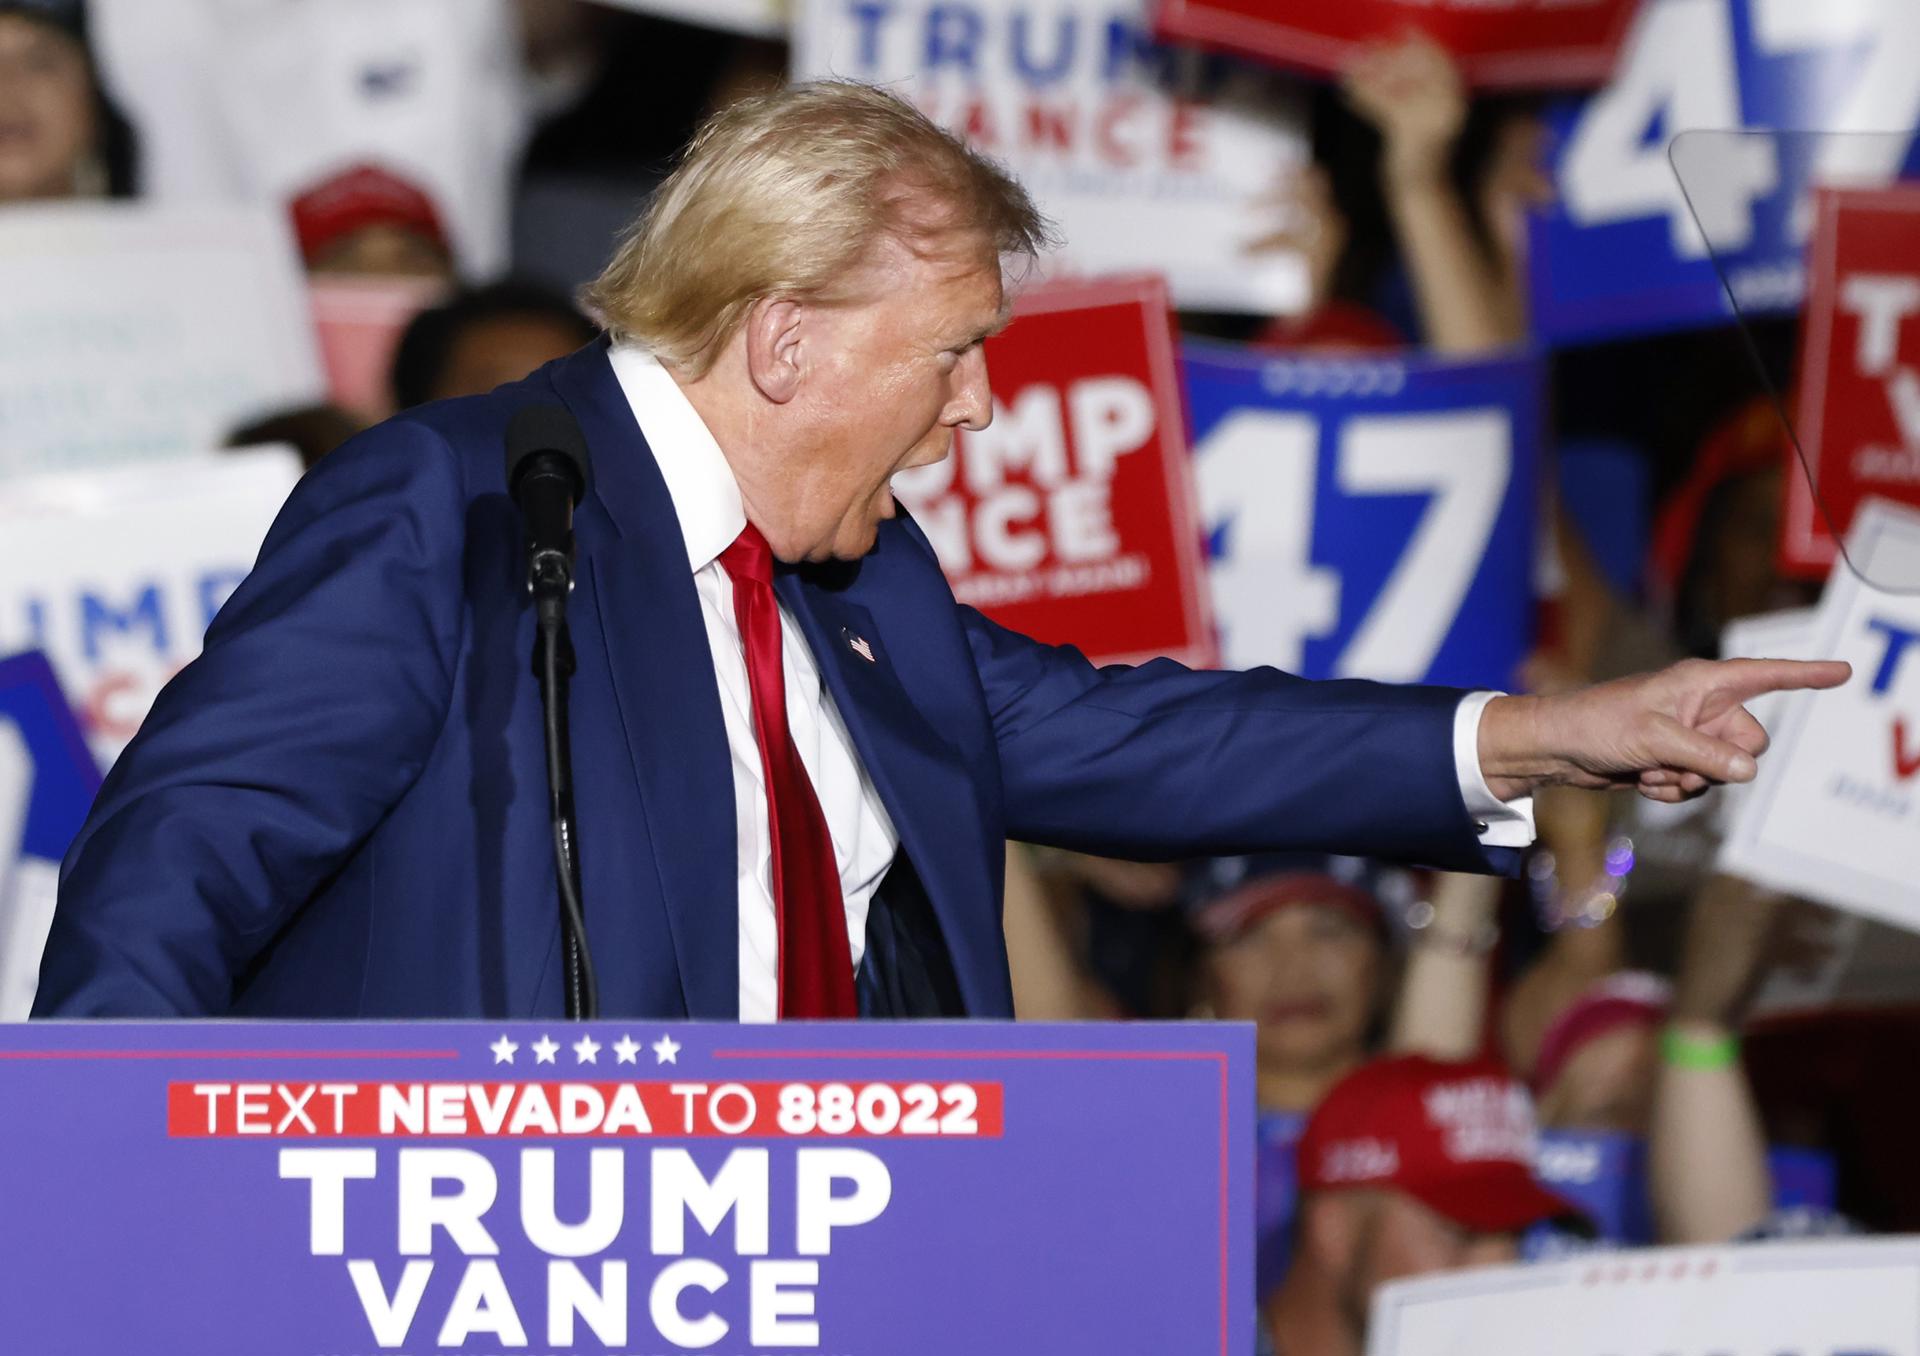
339,809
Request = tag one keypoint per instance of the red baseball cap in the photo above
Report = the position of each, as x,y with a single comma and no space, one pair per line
1457,1137
363,195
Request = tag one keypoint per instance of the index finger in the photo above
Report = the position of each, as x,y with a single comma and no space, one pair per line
1746,678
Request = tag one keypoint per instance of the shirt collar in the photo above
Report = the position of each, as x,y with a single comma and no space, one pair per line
706,497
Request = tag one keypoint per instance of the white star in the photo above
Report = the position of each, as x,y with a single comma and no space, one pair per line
545,1049
503,1050
665,1049
586,1050
627,1050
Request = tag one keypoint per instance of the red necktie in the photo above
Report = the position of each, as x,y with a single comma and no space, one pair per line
816,963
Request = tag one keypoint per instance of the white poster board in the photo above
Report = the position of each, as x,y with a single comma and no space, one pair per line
759,18
115,574
1759,1300
137,332
27,884
1075,100
261,100
1787,634
1845,969
1835,812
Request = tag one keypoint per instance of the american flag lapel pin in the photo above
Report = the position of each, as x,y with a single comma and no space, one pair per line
858,644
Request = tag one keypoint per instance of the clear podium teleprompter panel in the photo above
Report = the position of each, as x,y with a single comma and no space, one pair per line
946,1189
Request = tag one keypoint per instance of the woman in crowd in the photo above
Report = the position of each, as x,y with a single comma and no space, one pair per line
60,137
1301,945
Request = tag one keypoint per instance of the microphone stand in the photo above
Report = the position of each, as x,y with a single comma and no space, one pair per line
550,579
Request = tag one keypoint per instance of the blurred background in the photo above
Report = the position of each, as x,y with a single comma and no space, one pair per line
1386,341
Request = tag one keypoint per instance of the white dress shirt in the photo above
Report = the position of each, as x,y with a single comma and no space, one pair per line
706,500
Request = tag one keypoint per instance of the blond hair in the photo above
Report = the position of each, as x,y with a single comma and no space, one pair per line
784,194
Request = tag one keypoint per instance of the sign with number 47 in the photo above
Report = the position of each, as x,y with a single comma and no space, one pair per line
1620,252
1368,517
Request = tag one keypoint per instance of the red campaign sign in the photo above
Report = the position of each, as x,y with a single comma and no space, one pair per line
1859,399
1072,518
1498,43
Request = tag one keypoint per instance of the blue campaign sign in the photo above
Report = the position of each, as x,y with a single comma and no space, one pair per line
1368,516
945,1189
47,783
1620,253
59,778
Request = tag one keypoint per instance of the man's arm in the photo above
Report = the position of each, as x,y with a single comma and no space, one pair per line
322,686
1161,760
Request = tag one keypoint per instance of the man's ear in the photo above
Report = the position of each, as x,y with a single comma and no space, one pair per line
772,330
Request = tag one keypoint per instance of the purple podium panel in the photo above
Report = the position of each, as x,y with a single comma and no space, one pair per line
345,1189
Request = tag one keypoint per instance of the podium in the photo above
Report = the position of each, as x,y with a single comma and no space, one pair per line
859,1189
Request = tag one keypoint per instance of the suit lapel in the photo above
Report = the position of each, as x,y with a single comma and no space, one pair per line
920,778
664,685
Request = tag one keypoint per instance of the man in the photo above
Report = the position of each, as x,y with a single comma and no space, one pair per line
1410,1166
794,780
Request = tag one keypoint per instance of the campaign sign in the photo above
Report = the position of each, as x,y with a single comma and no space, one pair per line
1784,634
1506,43
1834,1298
116,573
264,104
1146,157
1619,253
1071,517
138,332
860,1189
1835,813
47,783
1368,516
1859,406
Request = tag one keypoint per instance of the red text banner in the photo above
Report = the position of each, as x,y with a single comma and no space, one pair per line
499,1110
1072,517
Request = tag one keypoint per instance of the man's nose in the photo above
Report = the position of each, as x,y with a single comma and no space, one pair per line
972,407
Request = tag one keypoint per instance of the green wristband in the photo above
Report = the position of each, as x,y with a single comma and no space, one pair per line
1682,1051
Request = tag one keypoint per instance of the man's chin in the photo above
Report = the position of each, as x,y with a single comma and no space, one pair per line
849,545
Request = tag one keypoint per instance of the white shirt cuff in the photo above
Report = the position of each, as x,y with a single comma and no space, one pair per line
1498,823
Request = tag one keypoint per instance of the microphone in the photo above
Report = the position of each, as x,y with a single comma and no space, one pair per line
547,477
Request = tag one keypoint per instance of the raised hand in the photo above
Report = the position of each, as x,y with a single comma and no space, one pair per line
1669,734
1412,92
